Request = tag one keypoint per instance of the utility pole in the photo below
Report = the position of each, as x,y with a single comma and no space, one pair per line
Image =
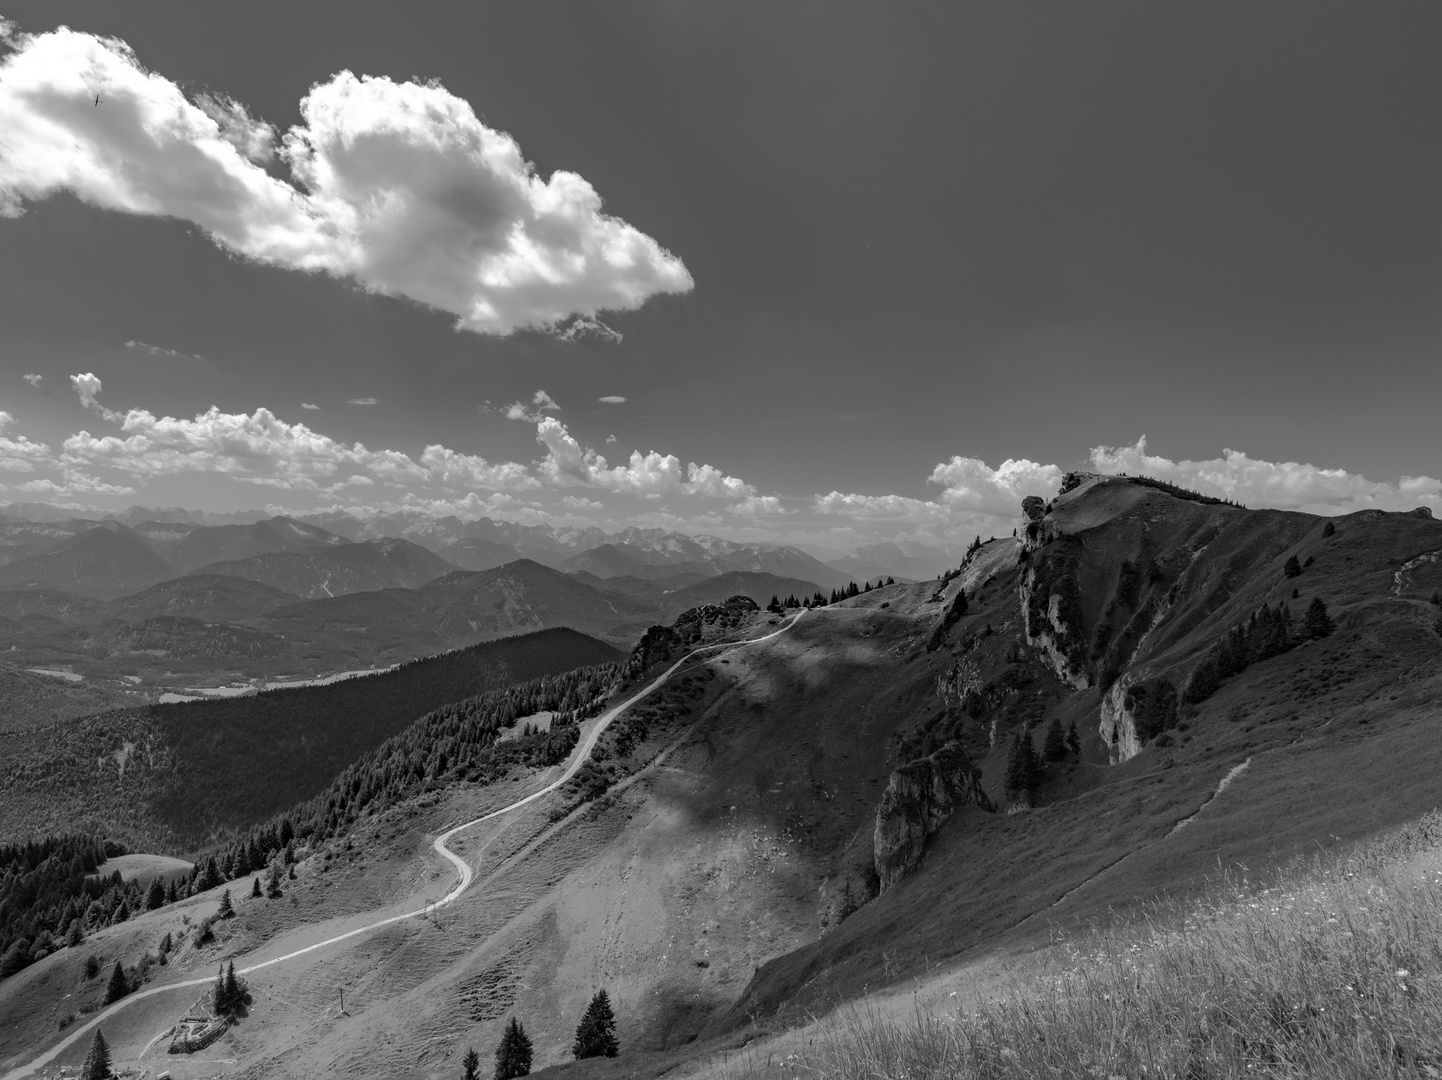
342,1001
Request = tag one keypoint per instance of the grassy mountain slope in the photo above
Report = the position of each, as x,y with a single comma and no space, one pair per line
715,866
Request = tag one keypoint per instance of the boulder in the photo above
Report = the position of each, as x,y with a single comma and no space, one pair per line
1422,512
918,798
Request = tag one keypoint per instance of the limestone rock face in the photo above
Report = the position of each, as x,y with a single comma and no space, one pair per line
1118,727
919,797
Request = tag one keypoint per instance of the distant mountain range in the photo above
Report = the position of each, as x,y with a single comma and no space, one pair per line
482,544
593,550
177,603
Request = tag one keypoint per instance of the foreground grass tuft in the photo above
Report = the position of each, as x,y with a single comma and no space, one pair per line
1334,971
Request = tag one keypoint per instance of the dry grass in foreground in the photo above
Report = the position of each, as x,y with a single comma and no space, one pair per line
1334,971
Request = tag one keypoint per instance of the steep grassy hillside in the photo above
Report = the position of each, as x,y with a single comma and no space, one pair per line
853,802
170,777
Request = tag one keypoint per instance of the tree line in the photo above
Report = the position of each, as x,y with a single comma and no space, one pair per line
820,599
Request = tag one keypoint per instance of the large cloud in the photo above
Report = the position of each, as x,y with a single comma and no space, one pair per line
261,448
21,454
568,463
1287,485
396,185
970,484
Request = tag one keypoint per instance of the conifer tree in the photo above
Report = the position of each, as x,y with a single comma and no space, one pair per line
596,1034
97,1062
1022,767
219,999
1292,568
156,896
1055,746
471,1065
513,1054
1073,740
118,986
1317,624
226,910
1328,529
233,997
255,888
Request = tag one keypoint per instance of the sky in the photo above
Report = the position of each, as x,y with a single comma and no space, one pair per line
823,273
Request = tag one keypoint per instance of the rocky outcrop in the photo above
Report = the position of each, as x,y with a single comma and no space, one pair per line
1118,727
918,798
709,622
1051,628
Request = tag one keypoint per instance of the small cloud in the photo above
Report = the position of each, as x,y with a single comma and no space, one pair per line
309,406
577,503
87,386
34,380
161,353
364,401
610,439
612,399
541,402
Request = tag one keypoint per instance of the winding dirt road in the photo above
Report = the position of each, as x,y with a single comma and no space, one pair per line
467,875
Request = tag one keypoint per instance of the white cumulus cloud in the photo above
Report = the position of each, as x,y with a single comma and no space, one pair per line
34,380
87,386
261,448
397,186
567,462
970,484
1285,485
